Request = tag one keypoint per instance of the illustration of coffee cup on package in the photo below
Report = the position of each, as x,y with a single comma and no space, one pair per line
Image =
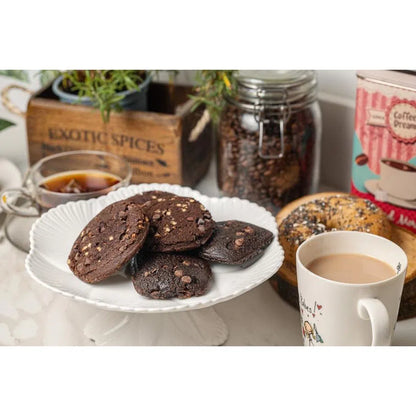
398,179
384,143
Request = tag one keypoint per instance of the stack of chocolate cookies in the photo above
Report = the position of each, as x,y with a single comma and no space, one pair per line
167,242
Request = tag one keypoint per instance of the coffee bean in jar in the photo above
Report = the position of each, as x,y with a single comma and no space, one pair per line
269,138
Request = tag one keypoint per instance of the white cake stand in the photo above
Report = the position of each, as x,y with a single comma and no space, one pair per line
128,316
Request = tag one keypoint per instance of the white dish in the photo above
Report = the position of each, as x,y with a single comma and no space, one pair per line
53,234
373,186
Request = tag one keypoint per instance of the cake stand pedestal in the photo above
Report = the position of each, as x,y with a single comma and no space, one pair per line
197,327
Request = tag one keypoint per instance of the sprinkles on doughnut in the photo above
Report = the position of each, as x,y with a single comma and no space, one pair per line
336,212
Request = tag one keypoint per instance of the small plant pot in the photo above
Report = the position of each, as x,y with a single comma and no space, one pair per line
132,99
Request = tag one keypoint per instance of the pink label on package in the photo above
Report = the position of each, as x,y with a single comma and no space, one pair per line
384,149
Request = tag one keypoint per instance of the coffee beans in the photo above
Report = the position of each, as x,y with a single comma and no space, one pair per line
270,182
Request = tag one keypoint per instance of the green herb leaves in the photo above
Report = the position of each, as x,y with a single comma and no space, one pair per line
211,88
16,74
102,87
5,123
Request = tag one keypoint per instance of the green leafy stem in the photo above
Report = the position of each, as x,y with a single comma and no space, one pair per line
4,124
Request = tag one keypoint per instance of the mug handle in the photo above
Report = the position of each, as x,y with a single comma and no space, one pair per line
7,198
374,310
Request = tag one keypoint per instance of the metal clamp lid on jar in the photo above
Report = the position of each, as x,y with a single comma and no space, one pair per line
274,93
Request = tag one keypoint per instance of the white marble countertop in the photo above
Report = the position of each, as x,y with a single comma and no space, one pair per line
33,315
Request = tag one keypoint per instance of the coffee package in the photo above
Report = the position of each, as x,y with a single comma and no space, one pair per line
384,148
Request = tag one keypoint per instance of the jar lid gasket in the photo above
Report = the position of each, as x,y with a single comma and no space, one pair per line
282,78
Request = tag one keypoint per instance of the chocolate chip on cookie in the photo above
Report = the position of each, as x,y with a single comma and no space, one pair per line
151,197
169,275
178,224
108,241
235,242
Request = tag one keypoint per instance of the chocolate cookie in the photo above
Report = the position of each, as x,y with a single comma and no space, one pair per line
166,275
108,241
151,197
235,242
178,224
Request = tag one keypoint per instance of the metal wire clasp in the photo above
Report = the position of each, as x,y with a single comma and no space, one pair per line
282,112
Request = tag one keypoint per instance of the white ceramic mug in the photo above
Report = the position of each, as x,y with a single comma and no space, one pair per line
334,313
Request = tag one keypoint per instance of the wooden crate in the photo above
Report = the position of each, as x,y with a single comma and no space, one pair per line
156,142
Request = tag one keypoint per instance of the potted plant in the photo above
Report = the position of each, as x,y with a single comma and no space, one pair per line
210,89
170,144
107,90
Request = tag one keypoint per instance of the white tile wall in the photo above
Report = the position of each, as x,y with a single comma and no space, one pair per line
337,101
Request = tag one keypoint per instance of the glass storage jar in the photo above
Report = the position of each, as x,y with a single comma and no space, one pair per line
269,138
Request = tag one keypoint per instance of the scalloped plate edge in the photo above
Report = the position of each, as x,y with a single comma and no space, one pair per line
125,193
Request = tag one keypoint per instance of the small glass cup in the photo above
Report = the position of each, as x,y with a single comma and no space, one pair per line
27,203
41,199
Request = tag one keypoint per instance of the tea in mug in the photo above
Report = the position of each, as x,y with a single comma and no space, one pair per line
76,182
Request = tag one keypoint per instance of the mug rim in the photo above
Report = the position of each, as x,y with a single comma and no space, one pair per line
389,159
377,237
127,177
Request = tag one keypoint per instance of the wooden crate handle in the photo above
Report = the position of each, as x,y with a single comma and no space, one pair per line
6,101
